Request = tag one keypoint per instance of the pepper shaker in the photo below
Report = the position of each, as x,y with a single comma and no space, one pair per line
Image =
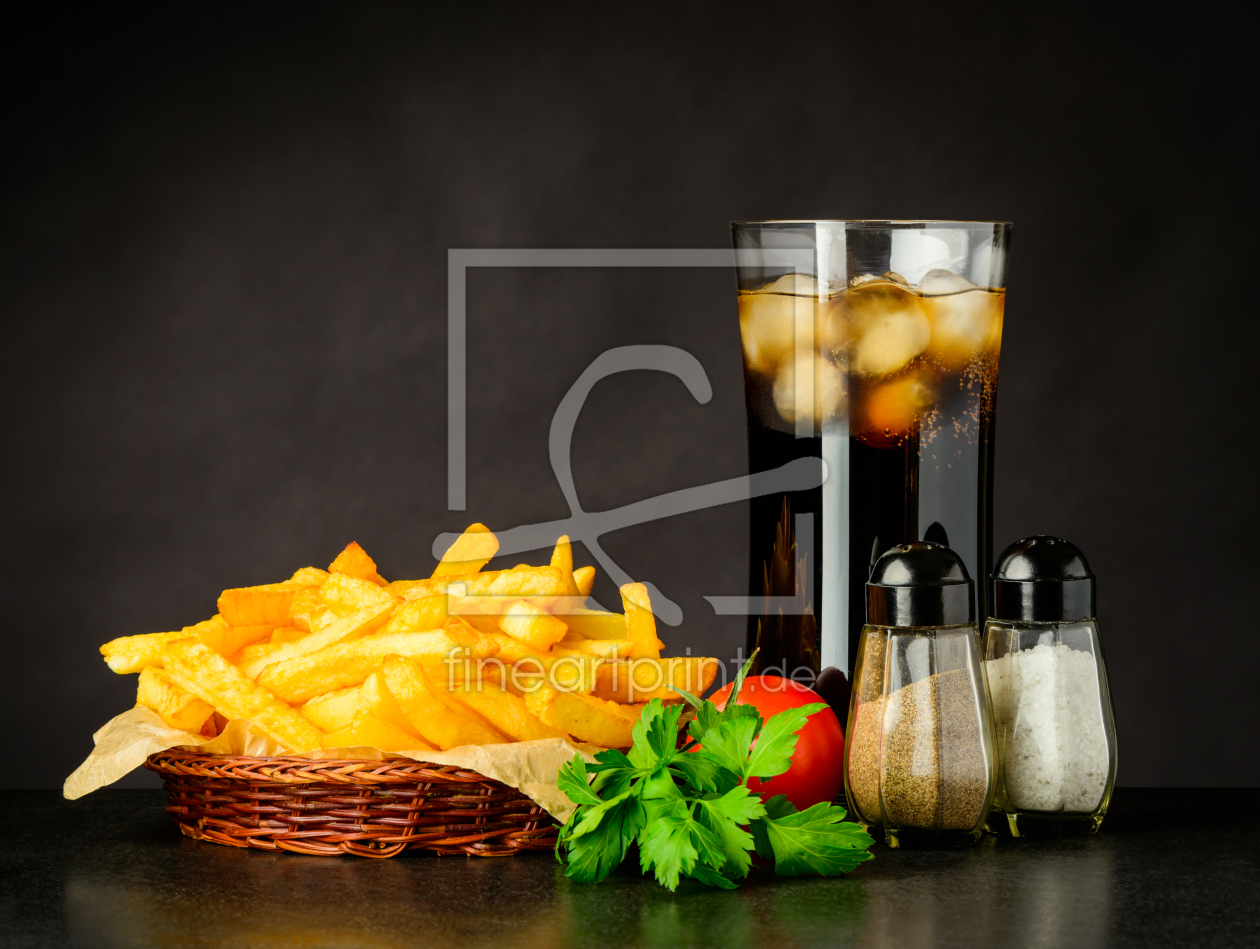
1056,736
919,758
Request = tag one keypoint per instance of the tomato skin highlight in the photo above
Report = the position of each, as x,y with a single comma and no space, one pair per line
817,772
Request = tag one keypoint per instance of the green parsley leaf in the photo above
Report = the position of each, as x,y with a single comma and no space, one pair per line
655,736
723,816
743,674
665,841
813,841
727,745
703,773
602,848
707,875
772,754
575,782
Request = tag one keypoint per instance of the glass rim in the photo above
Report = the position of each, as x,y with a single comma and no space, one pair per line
892,222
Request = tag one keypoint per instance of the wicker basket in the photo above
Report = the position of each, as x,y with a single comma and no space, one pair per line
365,808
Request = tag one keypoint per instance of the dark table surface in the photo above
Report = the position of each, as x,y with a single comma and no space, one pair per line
111,870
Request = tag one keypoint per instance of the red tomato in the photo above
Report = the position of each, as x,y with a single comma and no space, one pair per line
817,772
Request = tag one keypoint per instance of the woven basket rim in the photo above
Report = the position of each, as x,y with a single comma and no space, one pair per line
368,807
282,768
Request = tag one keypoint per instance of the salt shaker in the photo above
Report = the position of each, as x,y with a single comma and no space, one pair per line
919,759
1051,706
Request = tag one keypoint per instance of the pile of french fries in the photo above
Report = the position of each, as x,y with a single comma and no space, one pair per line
341,658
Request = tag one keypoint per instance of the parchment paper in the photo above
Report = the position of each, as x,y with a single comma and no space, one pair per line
126,740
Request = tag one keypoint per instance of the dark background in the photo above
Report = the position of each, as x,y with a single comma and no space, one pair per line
223,289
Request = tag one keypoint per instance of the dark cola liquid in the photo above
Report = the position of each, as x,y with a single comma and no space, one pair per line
908,442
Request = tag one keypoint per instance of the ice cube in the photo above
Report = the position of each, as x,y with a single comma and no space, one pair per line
963,324
812,385
891,339
800,284
885,413
773,325
939,282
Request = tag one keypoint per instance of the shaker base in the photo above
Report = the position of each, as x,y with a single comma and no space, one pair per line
1042,825
914,838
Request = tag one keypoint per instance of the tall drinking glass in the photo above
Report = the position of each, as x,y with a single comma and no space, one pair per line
873,346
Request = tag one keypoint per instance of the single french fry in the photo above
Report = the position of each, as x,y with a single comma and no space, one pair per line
196,668
584,717
376,699
354,562
255,657
562,560
345,594
568,670
353,626
513,651
531,625
178,708
405,588
596,624
500,708
256,606
641,680
309,577
307,609
228,640
132,653
584,579
521,581
334,711
607,649
640,623
418,615
369,731
471,551
527,581
345,664
429,715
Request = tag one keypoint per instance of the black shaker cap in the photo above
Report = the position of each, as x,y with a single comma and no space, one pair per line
1042,579
919,584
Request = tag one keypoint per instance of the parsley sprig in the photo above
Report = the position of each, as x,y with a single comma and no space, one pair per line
691,812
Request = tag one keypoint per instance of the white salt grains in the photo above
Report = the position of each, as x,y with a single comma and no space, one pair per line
1051,738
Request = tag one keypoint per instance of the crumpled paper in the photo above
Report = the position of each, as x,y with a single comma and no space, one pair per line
126,740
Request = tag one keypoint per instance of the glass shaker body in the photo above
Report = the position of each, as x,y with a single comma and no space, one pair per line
1056,738
919,752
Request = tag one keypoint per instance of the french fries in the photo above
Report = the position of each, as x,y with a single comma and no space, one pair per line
641,680
197,669
354,562
344,664
134,653
352,626
441,722
254,606
584,579
340,658
369,731
532,625
474,549
586,718
178,708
